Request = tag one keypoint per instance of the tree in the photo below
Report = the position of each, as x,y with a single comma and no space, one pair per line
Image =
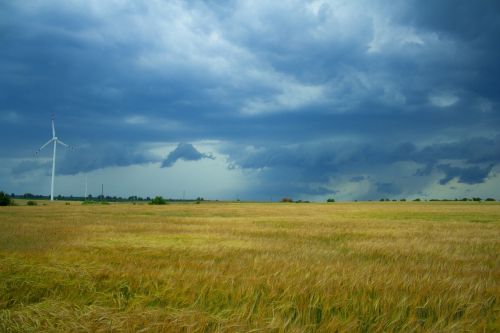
330,200
158,200
5,199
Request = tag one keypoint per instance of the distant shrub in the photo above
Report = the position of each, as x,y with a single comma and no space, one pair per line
417,199
31,203
330,200
476,199
68,203
5,200
92,202
403,199
286,200
489,199
158,200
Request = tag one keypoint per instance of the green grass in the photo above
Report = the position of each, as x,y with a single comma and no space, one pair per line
219,267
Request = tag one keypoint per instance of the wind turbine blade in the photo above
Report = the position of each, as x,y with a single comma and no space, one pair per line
62,143
53,129
36,153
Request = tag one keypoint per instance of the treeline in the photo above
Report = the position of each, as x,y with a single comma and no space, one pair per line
107,198
456,199
134,198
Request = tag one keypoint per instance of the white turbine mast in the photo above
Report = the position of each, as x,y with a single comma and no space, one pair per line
56,141
85,197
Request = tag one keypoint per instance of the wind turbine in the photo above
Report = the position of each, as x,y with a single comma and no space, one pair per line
54,140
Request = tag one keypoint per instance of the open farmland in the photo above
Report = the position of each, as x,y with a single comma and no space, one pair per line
250,267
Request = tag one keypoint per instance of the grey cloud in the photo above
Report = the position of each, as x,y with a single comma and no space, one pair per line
387,188
89,158
467,175
284,182
461,18
426,170
404,82
474,150
331,155
357,179
29,166
108,155
323,164
186,152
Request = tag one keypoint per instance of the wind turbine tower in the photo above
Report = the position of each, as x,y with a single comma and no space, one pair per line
55,140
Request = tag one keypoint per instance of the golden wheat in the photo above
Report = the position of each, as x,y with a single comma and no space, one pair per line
241,267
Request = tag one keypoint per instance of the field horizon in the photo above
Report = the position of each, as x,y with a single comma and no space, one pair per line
250,267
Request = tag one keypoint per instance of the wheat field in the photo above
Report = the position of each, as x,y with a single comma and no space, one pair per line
250,267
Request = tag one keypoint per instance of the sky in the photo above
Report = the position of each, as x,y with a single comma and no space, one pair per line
252,100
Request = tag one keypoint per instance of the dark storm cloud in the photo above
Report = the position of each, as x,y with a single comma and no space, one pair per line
330,156
461,18
356,179
108,155
328,162
90,158
322,90
387,188
474,150
185,152
470,175
29,166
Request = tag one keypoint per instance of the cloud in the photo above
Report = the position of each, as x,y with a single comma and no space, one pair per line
90,158
185,152
292,96
24,167
388,170
468,175
301,96
443,100
473,150
387,188
357,179
10,117
108,155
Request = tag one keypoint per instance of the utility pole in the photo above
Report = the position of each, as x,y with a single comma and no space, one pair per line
102,192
